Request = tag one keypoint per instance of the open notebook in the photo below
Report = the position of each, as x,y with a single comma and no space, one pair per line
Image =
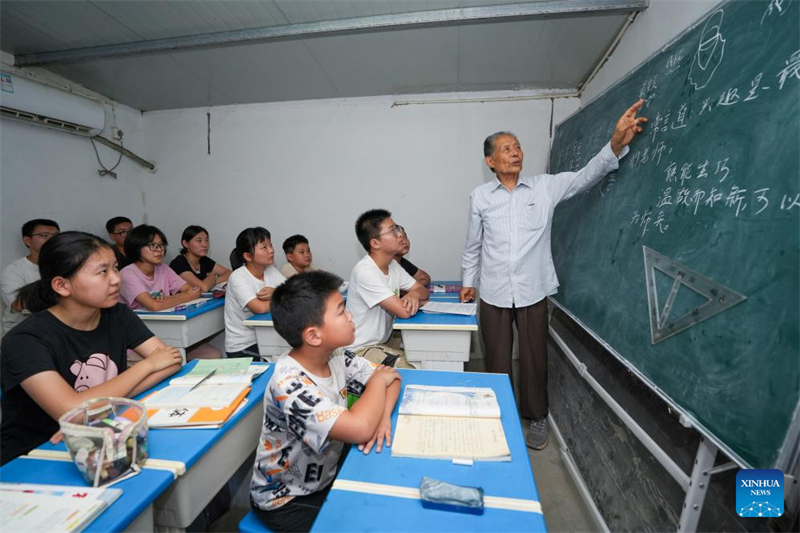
450,423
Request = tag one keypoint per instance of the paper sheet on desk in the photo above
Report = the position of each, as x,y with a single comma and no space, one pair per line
193,303
215,396
445,308
479,402
252,372
60,508
442,437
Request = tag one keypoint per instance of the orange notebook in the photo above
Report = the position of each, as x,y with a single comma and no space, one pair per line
186,417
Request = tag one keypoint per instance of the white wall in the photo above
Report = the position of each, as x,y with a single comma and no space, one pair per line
313,167
49,174
653,28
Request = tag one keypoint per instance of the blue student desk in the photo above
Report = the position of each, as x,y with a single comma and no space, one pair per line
450,283
437,342
133,511
204,459
376,492
431,342
182,329
270,344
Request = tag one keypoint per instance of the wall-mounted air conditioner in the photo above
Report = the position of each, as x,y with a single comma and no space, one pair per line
35,103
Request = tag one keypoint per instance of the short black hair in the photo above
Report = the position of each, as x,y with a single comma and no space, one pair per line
112,223
248,239
30,226
62,255
290,243
299,303
138,238
368,226
190,233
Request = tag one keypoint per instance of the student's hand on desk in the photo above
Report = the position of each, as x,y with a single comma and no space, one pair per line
195,292
57,437
411,303
387,374
165,357
467,294
383,433
265,294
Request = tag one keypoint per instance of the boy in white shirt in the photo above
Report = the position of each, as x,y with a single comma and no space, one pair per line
298,256
373,294
306,415
24,270
249,290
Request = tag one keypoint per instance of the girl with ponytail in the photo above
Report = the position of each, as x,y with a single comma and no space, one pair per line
74,346
193,263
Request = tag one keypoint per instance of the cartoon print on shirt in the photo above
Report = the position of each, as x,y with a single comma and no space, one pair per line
97,369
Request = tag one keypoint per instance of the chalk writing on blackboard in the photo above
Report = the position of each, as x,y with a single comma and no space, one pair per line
792,69
709,52
775,7
648,90
675,61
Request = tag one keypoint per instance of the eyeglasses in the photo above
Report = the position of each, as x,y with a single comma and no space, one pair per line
44,234
121,232
397,230
156,246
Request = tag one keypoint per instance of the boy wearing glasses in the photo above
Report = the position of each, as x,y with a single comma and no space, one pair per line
373,295
24,270
118,228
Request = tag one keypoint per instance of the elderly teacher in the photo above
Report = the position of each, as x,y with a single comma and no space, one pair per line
508,241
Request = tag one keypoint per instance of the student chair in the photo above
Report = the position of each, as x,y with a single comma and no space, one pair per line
252,524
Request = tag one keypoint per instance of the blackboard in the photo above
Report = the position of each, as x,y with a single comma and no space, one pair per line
707,203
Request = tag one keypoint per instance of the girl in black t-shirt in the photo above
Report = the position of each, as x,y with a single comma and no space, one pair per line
193,263
74,346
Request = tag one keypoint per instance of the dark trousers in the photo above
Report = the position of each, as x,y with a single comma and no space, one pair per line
296,516
250,351
498,338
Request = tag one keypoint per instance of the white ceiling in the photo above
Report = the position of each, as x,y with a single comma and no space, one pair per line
522,53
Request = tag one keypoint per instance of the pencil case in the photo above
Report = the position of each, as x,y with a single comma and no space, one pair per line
445,496
106,438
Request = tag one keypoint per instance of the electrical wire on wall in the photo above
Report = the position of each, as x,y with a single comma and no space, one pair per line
107,171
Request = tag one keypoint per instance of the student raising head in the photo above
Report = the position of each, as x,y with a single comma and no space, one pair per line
73,348
298,256
306,419
24,270
193,263
249,290
373,295
118,229
147,282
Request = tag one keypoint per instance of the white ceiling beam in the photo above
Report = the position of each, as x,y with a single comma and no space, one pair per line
441,17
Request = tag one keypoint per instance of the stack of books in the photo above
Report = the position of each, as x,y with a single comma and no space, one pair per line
206,397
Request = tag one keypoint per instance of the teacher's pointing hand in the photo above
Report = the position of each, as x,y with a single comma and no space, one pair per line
628,126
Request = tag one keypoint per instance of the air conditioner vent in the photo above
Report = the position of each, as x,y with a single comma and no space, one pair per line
41,105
